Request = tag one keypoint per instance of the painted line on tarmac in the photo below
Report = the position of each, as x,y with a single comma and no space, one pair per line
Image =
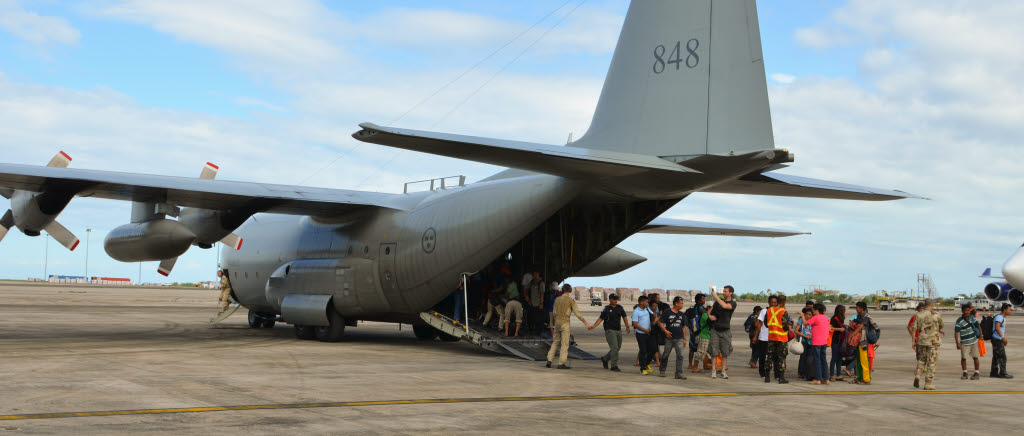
479,400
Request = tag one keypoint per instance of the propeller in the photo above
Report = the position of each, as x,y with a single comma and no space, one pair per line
29,210
232,240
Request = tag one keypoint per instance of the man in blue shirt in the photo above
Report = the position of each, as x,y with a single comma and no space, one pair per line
644,339
999,343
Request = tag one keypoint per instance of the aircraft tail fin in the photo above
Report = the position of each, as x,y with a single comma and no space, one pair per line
687,78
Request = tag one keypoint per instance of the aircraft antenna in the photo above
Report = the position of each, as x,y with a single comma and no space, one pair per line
443,87
487,82
503,68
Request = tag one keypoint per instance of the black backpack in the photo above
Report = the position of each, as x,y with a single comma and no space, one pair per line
987,325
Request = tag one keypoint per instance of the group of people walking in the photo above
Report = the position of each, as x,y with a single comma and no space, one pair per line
662,329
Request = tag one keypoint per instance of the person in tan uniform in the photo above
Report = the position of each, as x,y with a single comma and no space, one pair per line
565,306
929,323
225,291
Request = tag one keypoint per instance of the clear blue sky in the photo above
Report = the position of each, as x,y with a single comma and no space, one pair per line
916,96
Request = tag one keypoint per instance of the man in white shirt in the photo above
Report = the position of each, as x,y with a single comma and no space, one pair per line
761,340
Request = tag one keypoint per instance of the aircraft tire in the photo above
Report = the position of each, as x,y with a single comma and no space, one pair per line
424,332
334,331
268,323
304,332
255,319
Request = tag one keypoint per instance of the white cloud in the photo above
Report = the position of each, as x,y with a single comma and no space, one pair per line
34,28
784,79
268,32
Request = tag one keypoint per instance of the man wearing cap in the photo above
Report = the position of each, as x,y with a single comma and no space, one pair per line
613,316
565,307
929,325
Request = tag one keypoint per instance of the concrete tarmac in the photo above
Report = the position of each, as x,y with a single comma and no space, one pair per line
144,361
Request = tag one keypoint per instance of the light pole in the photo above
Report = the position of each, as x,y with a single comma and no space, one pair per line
46,259
87,233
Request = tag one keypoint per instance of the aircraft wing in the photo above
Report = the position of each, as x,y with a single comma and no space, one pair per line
669,226
190,192
785,185
565,161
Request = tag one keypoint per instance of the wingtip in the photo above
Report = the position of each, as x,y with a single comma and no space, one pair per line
163,272
66,156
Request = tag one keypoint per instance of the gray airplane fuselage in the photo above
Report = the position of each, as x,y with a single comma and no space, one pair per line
391,264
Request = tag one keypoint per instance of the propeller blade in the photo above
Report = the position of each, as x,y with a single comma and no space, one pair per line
209,171
61,160
232,240
62,235
6,223
166,266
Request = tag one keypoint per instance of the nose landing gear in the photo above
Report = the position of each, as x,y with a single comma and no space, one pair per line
261,320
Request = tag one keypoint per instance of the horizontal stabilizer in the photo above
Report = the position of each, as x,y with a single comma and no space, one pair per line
669,226
565,161
783,185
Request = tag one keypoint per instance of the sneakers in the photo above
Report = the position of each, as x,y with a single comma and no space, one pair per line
616,369
604,362
648,367
680,376
563,366
976,376
661,373
548,364
714,374
917,382
725,376
644,371
963,376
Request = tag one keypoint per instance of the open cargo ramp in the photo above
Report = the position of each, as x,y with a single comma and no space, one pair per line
535,349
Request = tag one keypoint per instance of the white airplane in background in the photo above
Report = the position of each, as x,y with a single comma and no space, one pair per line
1012,287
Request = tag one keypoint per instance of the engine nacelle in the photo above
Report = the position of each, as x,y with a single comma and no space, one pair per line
33,211
614,261
1016,297
998,291
153,240
210,226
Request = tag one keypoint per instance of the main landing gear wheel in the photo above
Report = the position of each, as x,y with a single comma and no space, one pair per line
261,320
334,331
304,332
424,332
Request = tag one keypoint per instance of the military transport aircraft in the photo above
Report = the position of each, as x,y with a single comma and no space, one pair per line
684,109
1012,287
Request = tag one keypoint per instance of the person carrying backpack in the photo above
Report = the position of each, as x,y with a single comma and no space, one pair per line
861,327
749,327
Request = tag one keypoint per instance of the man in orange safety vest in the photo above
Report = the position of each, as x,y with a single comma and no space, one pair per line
778,323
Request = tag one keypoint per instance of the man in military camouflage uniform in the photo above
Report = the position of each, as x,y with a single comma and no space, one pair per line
225,291
929,323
